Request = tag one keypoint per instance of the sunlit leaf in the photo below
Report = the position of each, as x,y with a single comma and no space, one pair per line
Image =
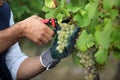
78,18
60,17
108,4
85,41
49,3
46,9
72,8
114,14
101,56
103,36
91,9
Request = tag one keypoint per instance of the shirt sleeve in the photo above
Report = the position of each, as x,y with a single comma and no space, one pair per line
14,57
11,22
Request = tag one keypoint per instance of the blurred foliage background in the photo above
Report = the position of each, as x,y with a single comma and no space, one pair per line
66,69
24,8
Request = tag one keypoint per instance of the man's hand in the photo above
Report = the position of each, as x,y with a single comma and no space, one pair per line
31,28
35,30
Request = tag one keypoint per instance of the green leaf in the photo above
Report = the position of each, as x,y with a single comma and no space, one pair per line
50,14
34,5
21,10
82,19
46,9
85,41
86,21
116,54
103,36
62,3
49,3
60,17
63,11
108,4
78,18
72,8
101,56
81,3
76,59
91,9
115,39
90,41
114,13
83,12
81,42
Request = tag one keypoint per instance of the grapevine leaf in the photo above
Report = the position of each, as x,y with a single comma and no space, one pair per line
81,44
116,54
50,14
82,21
60,17
115,39
85,41
108,4
35,5
62,3
90,41
21,11
75,9
69,6
86,20
80,3
101,56
49,3
83,12
72,8
78,18
64,11
46,9
76,59
103,36
91,9
114,14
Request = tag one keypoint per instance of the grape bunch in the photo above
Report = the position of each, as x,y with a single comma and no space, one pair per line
88,62
63,36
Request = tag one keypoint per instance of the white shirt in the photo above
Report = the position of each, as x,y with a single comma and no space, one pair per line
14,57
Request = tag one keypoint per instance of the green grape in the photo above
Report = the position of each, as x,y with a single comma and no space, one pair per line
88,62
82,61
60,51
57,48
59,42
63,35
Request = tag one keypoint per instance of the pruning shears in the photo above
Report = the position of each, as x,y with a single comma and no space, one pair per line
53,22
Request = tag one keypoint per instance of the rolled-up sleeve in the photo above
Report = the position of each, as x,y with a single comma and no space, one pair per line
14,58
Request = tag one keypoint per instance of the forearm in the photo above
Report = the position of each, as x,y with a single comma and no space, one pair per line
30,68
31,28
9,36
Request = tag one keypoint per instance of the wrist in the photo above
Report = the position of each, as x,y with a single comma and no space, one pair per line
21,29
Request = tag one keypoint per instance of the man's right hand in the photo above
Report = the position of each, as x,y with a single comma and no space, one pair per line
35,30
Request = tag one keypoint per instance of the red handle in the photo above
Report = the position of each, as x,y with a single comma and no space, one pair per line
45,21
49,21
53,22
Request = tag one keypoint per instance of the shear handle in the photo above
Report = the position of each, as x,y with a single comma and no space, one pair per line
51,21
